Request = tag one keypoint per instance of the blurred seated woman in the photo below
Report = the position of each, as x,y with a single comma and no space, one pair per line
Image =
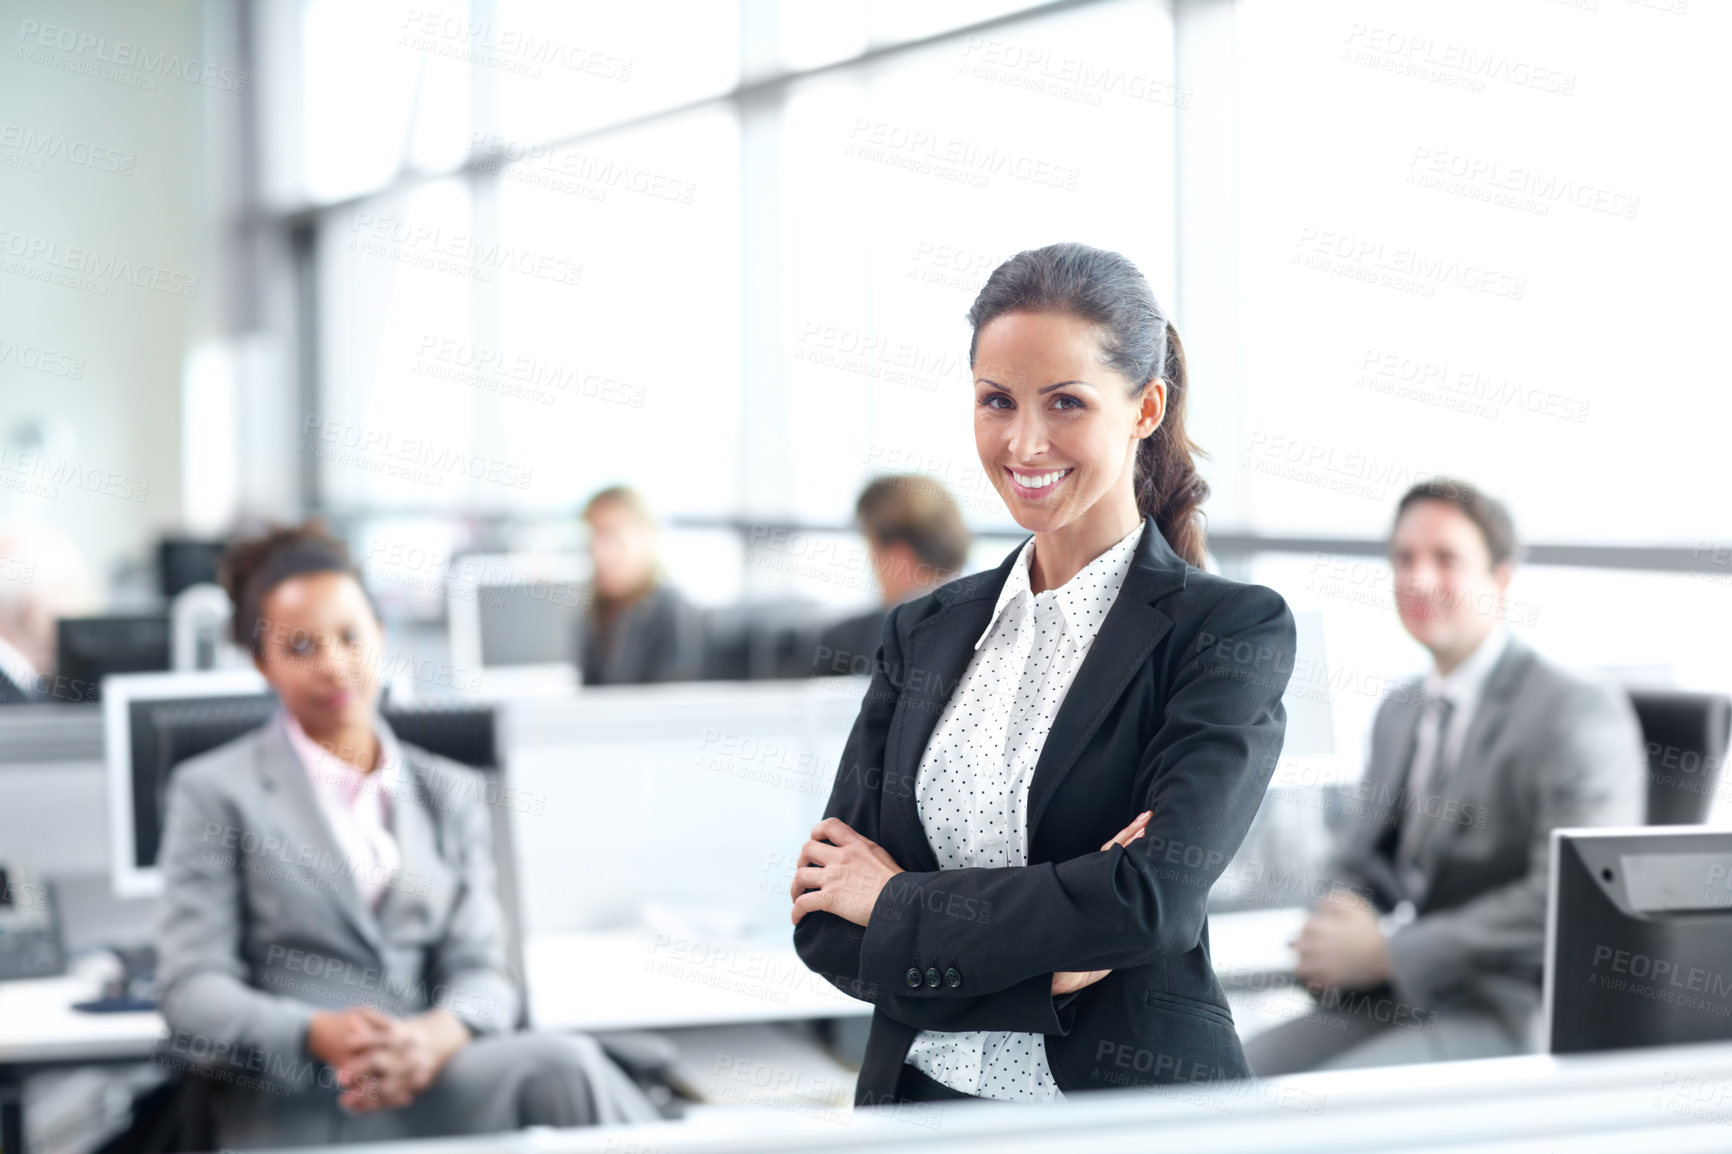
331,944
638,628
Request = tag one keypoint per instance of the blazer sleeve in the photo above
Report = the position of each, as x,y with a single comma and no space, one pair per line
830,945
1206,768
1591,772
467,968
205,995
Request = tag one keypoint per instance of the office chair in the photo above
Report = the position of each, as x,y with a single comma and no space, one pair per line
1686,738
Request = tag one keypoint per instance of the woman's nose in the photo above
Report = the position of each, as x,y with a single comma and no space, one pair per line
1027,437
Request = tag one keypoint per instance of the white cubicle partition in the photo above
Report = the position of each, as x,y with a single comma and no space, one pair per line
690,800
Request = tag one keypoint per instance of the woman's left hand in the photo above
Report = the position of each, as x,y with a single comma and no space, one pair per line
840,872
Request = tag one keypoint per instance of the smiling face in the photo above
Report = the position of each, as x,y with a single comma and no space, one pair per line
1056,428
319,650
1447,591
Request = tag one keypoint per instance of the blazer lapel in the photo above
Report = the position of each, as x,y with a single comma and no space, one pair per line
938,651
1488,721
1128,634
297,810
404,910
940,648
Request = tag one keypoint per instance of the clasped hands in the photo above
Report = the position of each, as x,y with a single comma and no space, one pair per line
843,872
1342,946
382,1062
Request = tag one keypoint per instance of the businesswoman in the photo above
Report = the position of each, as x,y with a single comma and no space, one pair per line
330,941
1098,685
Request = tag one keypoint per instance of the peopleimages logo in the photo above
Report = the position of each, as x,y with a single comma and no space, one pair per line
124,54
41,360
385,445
56,146
88,262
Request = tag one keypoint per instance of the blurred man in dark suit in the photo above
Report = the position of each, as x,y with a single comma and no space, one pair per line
917,541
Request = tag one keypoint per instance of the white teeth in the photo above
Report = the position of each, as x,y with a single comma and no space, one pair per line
1041,480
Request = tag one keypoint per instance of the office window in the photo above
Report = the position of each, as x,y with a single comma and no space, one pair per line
578,67
548,303
1451,234
383,90
628,369
914,177
393,427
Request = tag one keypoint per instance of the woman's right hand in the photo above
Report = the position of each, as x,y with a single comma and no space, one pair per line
340,1038
1069,981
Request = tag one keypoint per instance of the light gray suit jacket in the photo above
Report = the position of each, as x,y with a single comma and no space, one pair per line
1545,748
261,921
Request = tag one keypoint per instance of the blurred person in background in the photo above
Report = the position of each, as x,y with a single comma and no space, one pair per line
330,935
637,628
916,541
1430,945
42,579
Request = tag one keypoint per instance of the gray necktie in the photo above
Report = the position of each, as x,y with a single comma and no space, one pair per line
1417,822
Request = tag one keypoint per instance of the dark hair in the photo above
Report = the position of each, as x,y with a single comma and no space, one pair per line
252,566
1486,512
919,510
1138,342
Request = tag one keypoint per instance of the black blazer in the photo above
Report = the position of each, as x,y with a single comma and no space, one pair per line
1176,709
659,637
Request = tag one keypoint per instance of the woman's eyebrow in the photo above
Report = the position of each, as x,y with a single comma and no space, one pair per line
1042,389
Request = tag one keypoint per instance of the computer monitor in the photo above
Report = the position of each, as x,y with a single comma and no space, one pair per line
514,621
92,648
1638,938
154,722
182,562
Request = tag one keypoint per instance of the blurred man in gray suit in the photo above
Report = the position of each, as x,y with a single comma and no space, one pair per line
1430,948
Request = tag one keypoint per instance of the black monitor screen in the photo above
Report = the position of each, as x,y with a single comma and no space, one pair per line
91,648
182,562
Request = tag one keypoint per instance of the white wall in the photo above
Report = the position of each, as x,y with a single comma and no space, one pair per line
107,159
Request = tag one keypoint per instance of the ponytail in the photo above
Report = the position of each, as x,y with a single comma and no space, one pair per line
1168,486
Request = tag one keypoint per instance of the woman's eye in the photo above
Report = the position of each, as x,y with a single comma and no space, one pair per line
991,401
1059,402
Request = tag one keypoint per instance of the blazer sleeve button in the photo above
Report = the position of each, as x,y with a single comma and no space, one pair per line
933,978
912,977
953,977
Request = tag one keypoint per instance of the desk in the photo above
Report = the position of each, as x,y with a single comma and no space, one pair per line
599,980
38,1026
1634,1100
1249,947
39,1029
638,979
